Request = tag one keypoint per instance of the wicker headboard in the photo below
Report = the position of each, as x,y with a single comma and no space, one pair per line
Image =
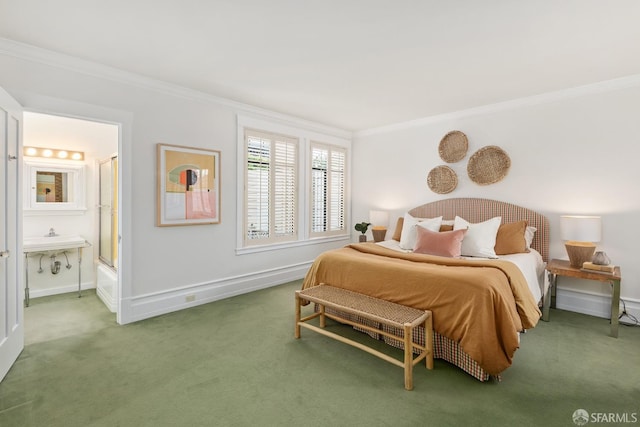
478,210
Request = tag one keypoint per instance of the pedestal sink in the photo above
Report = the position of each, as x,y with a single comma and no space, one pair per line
52,243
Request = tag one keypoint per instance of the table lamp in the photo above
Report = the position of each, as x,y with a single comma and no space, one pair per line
579,233
379,221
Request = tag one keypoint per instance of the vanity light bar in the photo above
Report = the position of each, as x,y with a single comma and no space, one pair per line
52,153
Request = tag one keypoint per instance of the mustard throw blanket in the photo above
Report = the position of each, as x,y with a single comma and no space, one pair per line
480,304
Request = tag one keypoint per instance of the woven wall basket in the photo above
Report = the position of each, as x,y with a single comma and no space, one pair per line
453,146
488,165
442,179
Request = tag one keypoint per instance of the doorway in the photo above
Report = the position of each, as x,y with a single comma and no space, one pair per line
99,143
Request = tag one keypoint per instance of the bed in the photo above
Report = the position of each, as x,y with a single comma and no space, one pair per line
480,304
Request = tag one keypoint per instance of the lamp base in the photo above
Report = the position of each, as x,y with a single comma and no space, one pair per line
579,252
378,233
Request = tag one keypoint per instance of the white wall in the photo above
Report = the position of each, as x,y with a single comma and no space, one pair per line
163,268
97,141
573,152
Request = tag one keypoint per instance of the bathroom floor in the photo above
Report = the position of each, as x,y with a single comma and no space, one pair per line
57,316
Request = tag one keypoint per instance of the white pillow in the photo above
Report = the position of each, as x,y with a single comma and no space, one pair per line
480,239
409,232
529,234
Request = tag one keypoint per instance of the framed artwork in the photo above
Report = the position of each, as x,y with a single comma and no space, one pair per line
188,186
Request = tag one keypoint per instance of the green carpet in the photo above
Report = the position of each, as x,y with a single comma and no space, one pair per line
235,363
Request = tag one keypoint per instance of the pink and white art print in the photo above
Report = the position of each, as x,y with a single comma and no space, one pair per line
188,186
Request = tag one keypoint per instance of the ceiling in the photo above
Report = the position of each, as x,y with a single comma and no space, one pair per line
353,64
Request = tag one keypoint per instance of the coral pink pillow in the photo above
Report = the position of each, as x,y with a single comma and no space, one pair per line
444,243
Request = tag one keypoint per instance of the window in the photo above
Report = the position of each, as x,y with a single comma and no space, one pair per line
293,184
270,188
328,164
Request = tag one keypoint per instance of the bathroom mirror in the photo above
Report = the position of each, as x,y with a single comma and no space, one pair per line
53,187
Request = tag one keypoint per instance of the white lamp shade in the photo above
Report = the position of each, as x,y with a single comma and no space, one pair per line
379,218
580,228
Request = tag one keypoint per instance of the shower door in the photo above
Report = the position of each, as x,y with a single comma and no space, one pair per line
108,212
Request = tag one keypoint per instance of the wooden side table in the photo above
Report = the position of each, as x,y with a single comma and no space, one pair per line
559,267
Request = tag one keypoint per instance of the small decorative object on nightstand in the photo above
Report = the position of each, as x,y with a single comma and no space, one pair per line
600,258
379,221
580,232
362,227
559,267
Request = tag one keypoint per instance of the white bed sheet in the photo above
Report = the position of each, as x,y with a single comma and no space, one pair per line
530,264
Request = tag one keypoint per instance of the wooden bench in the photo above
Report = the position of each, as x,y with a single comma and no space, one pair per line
377,310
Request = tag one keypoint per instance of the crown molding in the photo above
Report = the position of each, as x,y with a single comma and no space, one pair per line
549,97
67,62
47,57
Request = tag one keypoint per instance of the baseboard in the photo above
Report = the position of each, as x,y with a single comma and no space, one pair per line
37,293
593,304
151,305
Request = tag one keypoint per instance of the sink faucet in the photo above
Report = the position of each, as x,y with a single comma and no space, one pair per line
52,233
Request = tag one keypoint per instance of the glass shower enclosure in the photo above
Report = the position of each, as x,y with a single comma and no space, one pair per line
108,213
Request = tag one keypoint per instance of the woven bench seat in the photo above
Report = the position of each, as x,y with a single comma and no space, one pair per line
377,310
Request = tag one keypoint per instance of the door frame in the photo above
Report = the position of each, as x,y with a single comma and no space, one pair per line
124,120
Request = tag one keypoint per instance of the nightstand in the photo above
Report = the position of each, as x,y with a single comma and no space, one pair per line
559,267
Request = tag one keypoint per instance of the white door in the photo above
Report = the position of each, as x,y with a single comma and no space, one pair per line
11,294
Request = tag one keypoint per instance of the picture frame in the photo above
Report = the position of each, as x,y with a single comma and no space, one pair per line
188,186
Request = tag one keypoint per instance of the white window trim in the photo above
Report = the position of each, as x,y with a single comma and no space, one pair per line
305,134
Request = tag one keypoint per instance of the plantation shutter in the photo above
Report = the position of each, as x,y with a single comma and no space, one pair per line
337,190
271,188
285,157
328,168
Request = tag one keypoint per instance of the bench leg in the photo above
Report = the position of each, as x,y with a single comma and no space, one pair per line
298,302
408,356
428,340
